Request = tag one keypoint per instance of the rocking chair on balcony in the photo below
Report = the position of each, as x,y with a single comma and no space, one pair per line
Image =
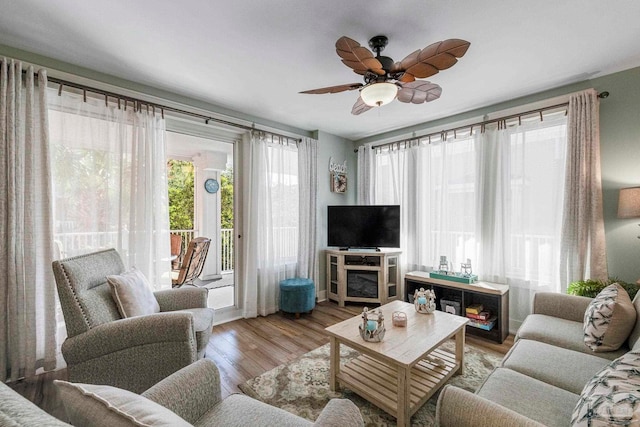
192,263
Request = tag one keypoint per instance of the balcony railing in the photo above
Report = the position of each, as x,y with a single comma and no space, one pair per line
70,244
226,250
74,244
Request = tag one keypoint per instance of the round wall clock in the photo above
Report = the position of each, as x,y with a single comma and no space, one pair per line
211,185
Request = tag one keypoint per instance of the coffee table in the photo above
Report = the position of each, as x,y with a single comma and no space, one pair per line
402,372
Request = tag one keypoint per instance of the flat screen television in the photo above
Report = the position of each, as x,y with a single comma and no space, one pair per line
376,226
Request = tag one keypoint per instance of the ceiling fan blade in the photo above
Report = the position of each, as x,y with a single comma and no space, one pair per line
360,107
432,59
334,89
358,58
419,92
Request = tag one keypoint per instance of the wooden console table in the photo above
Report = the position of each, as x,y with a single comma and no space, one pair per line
493,296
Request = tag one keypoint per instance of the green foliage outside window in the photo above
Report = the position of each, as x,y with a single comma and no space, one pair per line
226,189
180,175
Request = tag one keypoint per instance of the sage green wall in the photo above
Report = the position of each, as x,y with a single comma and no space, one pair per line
620,151
340,149
620,156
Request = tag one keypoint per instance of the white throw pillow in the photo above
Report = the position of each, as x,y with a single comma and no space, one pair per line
612,396
609,319
103,405
132,293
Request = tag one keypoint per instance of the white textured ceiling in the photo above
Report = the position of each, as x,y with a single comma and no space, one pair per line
255,56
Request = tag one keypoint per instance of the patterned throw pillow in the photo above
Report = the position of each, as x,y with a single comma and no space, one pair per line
612,397
132,294
609,319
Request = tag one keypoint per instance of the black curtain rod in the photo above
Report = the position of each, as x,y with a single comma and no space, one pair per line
480,124
161,107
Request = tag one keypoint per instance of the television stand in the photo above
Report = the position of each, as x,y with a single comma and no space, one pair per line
363,275
348,249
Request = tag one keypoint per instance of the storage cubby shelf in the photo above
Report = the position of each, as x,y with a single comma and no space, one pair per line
493,296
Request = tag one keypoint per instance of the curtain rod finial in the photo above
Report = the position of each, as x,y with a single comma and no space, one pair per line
603,95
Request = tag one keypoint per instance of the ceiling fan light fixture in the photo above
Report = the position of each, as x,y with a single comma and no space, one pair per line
378,94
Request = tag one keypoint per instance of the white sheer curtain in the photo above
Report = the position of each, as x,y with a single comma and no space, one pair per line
27,287
109,182
583,245
494,198
434,185
308,164
365,172
520,209
270,219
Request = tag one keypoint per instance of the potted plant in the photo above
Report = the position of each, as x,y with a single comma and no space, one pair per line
590,288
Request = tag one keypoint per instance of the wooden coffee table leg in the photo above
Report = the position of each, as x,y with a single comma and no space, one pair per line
404,397
334,367
460,350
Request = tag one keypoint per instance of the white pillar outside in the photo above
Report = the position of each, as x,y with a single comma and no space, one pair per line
208,165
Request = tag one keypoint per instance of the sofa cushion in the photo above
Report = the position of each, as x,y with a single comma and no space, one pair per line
239,410
132,294
561,333
609,319
612,397
545,362
101,405
542,402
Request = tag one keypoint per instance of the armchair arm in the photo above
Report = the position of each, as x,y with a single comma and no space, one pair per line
569,307
189,392
459,408
181,298
130,332
132,353
340,412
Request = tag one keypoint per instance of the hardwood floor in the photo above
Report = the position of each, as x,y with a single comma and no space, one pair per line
245,348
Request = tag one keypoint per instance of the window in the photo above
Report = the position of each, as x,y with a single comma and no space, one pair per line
494,197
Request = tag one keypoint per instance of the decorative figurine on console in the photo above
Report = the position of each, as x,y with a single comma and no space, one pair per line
372,326
465,268
424,301
443,268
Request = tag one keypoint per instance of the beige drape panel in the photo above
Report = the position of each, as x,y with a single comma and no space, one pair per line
583,249
27,287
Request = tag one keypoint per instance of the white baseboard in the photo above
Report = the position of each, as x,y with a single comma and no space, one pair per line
321,296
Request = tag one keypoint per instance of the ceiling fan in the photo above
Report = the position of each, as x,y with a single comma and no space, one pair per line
385,80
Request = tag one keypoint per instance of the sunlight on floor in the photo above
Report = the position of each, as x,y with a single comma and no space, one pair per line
221,297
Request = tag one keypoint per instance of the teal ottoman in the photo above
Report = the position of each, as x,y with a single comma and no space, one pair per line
297,296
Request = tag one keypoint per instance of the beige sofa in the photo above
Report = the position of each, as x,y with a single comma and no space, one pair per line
189,397
539,381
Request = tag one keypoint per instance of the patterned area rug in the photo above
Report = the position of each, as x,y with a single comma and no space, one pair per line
302,387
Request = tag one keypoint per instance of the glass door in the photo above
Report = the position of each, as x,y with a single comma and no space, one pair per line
201,204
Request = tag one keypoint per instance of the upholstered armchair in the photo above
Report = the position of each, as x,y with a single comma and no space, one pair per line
132,353
189,397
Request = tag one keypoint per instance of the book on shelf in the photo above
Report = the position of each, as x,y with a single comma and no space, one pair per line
487,325
475,309
483,315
